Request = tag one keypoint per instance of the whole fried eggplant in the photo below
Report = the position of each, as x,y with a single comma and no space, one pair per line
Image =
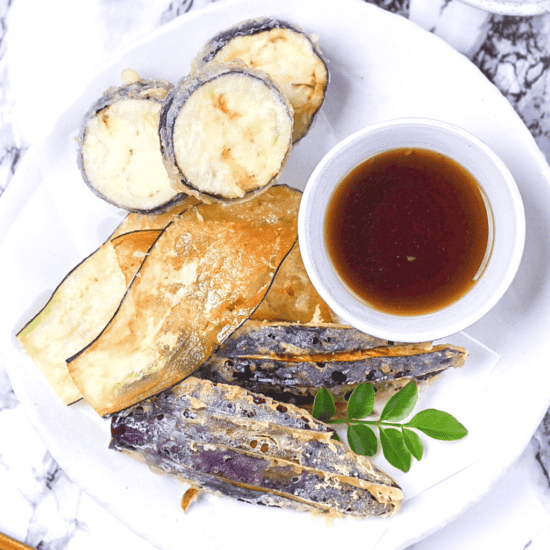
225,440
291,361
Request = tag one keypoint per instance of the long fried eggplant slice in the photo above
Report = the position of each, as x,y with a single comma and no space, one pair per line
292,362
131,250
199,282
80,308
290,56
292,297
225,133
119,151
230,442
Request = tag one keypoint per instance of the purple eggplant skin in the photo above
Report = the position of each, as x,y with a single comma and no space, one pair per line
286,373
292,362
246,28
227,441
283,338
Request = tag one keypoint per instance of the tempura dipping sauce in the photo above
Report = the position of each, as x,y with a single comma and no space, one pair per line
409,231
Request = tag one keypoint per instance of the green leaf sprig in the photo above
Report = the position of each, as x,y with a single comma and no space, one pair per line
399,441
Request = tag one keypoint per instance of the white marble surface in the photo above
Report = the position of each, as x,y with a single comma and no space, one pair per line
46,49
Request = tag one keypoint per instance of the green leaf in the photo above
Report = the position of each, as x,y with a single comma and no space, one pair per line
413,443
394,448
362,440
438,425
323,406
400,405
361,401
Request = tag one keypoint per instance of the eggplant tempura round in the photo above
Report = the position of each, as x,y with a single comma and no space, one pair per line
290,56
119,152
225,132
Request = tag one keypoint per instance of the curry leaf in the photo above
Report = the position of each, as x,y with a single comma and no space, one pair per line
413,443
361,402
394,448
438,425
323,406
400,405
362,440
399,441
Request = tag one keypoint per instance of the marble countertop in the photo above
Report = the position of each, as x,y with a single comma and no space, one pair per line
46,49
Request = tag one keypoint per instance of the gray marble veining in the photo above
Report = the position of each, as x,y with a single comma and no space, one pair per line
541,441
10,150
400,7
515,56
52,484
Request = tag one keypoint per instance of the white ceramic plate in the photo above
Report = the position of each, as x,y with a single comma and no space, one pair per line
382,67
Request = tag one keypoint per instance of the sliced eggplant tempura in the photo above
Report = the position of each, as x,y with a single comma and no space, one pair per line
225,133
199,282
81,306
227,441
290,56
119,151
292,297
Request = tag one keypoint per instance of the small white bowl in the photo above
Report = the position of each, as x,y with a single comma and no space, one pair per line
508,224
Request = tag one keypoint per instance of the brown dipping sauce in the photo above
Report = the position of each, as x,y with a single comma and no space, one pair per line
407,231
